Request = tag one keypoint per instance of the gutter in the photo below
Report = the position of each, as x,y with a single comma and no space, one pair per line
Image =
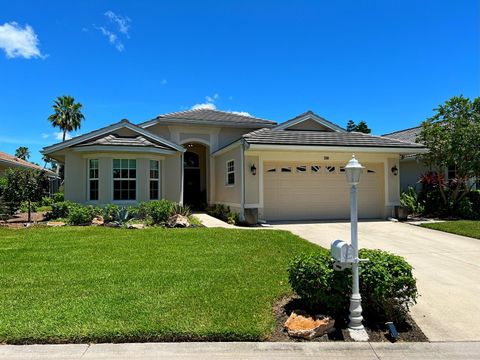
242,176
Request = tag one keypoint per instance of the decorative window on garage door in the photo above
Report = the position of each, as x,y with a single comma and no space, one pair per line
315,168
330,169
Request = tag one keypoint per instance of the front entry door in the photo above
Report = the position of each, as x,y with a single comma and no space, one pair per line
191,188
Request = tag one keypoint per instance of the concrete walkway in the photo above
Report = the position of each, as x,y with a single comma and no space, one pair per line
447,268
261,351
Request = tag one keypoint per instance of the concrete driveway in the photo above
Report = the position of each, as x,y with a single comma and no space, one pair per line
447,268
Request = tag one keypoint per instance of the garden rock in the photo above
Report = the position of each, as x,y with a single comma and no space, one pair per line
136,226
113,224
178,221
98,220
55,223
302,325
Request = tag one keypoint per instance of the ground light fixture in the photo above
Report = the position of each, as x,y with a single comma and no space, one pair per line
353,171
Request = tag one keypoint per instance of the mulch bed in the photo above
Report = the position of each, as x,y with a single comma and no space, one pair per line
19,220
408,331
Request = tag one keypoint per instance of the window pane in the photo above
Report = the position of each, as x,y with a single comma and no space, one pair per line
133,164
231,178
116,163
93,189
153,190
153,165
116,173
124,173
132,174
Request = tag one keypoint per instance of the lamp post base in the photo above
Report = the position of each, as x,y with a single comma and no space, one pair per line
355,316
358,335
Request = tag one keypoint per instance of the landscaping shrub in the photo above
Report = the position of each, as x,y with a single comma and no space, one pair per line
3,185
157,211
410,200
110,212
46,201
58,197
81,215
24,206
223,212
60,210
387,285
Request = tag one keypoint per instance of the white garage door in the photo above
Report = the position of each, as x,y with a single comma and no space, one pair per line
305,191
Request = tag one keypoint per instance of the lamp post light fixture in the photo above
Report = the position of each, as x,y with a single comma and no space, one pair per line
353,170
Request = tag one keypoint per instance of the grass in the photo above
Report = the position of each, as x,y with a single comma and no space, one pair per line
94,284
469,228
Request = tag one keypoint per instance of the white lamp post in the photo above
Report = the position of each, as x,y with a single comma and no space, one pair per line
353,171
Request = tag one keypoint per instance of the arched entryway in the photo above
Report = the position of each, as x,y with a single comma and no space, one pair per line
195,175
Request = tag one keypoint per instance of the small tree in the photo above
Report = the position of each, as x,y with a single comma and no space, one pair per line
25,185
351,126
22,153
452,137
67,114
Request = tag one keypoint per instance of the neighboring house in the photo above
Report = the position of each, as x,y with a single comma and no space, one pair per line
8,161
411,166
291,171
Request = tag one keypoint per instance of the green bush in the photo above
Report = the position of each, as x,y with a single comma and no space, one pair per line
110,212
223,212
58,197
46,201
81,215
157,211
24,206
60,210
387,285
3,185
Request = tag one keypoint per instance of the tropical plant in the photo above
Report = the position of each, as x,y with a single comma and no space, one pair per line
410,200
179,209
22,153
67,114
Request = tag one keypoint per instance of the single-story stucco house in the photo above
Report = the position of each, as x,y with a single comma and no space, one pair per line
8,161
288,171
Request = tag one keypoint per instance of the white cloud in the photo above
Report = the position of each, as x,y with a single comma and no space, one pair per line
19,42
212,99
44,136
243,113
112,38
123,22
207,105
59,136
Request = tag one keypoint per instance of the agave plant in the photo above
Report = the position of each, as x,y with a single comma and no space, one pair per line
179,209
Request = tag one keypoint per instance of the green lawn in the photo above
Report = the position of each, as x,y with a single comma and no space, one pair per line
78,284
469,228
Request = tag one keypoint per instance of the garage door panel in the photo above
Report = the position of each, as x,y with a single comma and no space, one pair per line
319,195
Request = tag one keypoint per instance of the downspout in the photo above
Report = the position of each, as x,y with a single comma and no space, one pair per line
181,179
242,176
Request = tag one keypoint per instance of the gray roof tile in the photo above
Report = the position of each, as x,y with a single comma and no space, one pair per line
115,140
405,135
210,117
323,138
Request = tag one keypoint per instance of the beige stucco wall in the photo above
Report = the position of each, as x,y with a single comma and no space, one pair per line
173,169
228,135
252,184
228,194
76,178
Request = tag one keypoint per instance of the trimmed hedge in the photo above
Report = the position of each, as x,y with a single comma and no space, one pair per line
387,285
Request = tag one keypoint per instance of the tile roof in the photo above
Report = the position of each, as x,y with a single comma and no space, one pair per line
115,140
323,138
405,135
17,162
207,116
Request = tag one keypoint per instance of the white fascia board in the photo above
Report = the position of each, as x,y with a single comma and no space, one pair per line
122,149
106,130
327,124
307,148
227,148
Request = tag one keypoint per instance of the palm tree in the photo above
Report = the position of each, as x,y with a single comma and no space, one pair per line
22,153
68,115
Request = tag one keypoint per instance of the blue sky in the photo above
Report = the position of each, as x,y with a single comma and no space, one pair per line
386,62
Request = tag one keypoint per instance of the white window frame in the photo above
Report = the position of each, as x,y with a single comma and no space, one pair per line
228,172
128,179
150,179
89,179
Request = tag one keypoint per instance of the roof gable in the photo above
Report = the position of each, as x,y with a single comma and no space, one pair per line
309,121
209,117
103,132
